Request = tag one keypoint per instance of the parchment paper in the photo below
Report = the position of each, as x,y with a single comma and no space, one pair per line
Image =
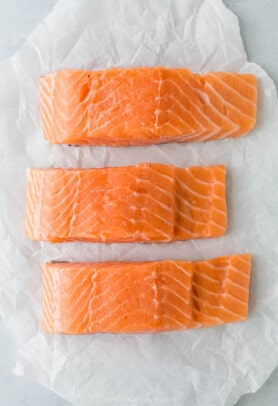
202,367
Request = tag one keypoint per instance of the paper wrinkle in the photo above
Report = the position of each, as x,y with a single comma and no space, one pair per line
213,366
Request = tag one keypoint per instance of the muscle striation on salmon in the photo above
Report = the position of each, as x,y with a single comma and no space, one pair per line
140,106
146,202
144,297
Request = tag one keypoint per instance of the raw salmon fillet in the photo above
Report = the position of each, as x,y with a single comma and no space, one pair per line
144,297
145,202
140,106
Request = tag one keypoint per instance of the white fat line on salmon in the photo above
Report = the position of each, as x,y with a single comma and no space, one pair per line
220,294
247,100
239,77
186,187
189,274
217,225
240,272
225,101
166,288
199,111
192,219
185,315
201,128
209,103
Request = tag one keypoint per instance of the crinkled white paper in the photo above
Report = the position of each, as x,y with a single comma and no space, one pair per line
202,367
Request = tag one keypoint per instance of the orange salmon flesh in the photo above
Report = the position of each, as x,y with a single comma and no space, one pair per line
140,106
144,297
146,202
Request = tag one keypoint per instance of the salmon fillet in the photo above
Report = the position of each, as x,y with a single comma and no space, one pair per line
145,202
144,297
140,106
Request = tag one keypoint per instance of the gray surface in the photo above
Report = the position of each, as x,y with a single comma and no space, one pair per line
18,18
258,24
